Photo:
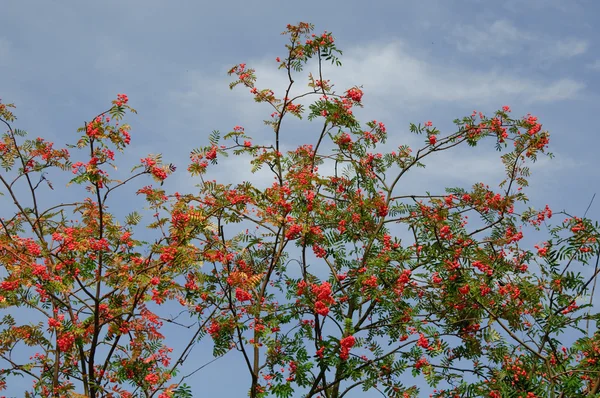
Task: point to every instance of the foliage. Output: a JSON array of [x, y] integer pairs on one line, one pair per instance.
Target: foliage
[[323, 282]]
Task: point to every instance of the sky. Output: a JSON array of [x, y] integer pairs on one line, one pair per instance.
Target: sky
[[62, 62]]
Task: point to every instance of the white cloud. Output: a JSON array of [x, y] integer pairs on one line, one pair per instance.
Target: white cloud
[[394, 72], [393, 76], [518, 6], [396, 79], [465, 167], [571, 47], [502, 38], [594, 65]]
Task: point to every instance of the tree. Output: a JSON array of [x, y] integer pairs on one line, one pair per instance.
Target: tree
[[85, 282], [323, 282]]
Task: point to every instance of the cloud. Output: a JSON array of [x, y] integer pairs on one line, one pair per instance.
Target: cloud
[[518, 6], [395, 76], [502, 38], [571, 47], [463, 167], [594, 65], [393, 71], [397, 81]]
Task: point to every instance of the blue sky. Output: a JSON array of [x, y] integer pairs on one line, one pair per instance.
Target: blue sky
[[63, 61]]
